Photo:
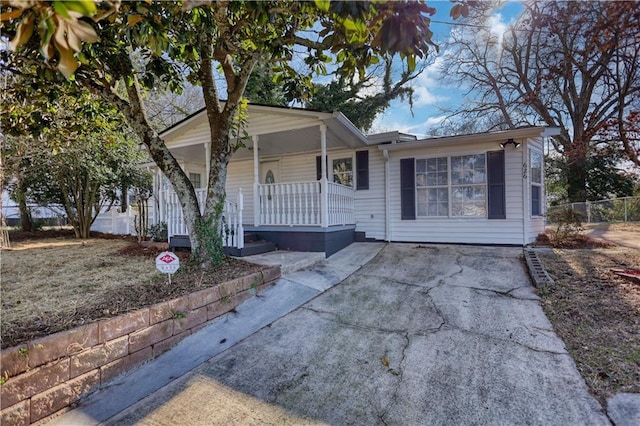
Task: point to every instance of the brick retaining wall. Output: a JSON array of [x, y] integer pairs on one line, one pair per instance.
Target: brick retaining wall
[[47, 375]]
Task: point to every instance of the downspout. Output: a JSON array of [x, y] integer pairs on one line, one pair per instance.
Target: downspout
[[387, 189], [525, 193]]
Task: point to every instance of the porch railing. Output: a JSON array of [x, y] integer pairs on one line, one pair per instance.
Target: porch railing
[[231, 227], [341, 204], [300, 204]]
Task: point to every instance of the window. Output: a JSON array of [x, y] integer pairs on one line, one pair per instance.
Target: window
[[343, 171], [535, 162], [432, 187], [195, 180], [468, 185]]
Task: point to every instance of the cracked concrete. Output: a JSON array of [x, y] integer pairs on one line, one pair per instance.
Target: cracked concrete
[[419, 335]]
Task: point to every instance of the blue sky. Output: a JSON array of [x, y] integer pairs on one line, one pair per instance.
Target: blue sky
[[430, 93]]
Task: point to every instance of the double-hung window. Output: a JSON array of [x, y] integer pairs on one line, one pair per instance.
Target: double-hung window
[[469, 185], [195, 180], [536, 170], [432, 187], [343, 171]]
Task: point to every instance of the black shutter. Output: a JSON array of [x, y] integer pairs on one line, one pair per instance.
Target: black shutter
[[408, 189], [495, 185], [362, 169], [318, 167]]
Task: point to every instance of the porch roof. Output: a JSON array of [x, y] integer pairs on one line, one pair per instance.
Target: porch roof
[[280, 130]]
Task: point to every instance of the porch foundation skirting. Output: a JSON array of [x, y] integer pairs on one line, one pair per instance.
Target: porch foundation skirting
[[307, 238]]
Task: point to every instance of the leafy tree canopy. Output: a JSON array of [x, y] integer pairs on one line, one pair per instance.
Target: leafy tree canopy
[[202, 41]]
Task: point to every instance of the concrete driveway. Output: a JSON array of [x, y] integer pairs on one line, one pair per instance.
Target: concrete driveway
[[437, 335]]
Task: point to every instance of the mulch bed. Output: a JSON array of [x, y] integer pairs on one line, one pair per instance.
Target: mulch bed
[[574, 241]]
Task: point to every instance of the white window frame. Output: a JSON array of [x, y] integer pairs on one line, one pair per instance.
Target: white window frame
[[350, 172], [451, 187], [192, 179], [427, 187], [534, 184], [474, 185]]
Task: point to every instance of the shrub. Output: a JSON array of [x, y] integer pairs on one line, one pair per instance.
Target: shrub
[[158, 232]]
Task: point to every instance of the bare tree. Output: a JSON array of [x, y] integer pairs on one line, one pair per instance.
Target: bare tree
[[572, 65]]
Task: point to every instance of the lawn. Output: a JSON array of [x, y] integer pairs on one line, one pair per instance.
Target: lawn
[[597, 313], [53, 284]]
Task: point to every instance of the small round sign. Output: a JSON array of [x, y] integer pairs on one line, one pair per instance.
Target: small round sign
[[167, 262]]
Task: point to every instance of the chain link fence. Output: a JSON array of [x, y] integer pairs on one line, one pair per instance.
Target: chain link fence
[[625, 209]]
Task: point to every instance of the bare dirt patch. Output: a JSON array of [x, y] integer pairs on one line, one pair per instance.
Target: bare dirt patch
[[54, 284], [597, 315]]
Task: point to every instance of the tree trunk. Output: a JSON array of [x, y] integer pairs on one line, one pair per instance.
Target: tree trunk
[[576, 155], [26, 224]]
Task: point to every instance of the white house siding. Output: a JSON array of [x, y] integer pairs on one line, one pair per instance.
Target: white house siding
[[461, 230], [536, 223], [369, 204], [240, 175]]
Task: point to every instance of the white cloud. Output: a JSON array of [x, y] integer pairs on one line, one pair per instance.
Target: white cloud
[[425, 84], [434, 121]]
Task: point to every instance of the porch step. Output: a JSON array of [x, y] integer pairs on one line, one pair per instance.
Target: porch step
[[253, 245], [250, 237], [251, 248]]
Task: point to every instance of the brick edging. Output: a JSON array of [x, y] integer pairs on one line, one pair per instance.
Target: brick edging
[[48, 374]]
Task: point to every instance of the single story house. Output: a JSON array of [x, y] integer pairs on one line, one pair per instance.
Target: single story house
[[311, 181]]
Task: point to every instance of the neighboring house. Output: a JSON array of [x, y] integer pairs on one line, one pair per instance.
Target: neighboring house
[[311, 181]]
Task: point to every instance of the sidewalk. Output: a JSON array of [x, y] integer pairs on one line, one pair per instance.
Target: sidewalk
[[290, 292]]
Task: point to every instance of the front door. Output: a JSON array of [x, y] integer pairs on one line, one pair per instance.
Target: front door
[[270, 171]]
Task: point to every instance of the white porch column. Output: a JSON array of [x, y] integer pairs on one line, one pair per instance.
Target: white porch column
[[324, 195], [256, 182], [207, 162]]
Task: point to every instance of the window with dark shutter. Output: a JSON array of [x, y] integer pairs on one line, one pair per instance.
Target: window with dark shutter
[[407, 189], [495, 185], [362, 170]]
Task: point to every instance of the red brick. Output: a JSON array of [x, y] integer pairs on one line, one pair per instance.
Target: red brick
[[163, 346], [250, 281], [204, 297], [166, 310], [46, 403], [229, 288], [262, 287], [98, 356], [271, 273], [117, 367], [16, 415], [150, 335], [241, 297], [38, 380], [193, 318], [13, 362], [62, 344], [199, 327], [124, 324], [216, 309]]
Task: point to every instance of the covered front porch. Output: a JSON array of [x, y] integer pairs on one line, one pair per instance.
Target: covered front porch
[[295, 214]]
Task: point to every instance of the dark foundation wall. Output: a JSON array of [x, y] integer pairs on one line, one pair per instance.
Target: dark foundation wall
[[312, 239]]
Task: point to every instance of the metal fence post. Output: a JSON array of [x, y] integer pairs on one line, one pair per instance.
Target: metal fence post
[[625, 209], [588, 204]]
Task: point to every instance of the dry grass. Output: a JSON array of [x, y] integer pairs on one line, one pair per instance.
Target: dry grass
[[49, 285], [597, 314]]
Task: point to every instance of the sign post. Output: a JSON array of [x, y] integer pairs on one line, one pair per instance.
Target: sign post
[[167, 263]]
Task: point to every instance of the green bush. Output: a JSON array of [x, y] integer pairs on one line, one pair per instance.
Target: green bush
[[159, 232]]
